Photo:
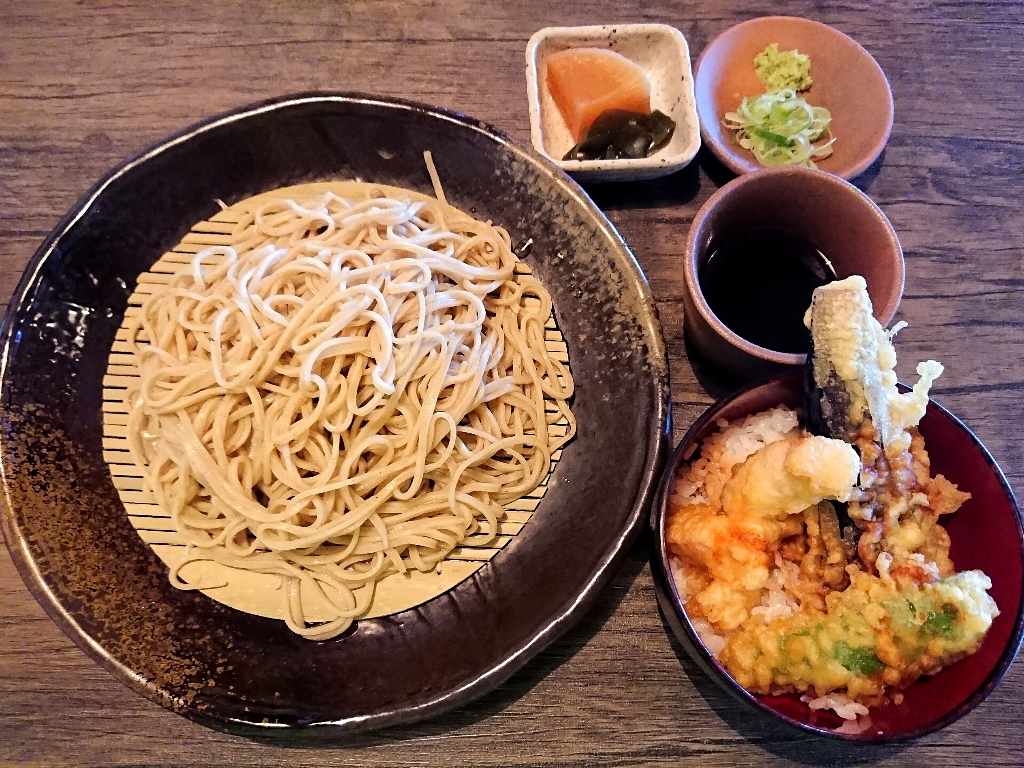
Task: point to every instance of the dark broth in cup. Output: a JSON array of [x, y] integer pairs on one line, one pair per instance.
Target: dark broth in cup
[[759, 284]]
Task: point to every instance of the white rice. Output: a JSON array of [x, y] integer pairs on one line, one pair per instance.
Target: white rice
[[855, 727], [714, 642], [775, 603], [701, 481], [840, 703]]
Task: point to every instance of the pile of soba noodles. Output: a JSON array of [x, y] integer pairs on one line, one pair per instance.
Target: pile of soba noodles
[[351, 389]]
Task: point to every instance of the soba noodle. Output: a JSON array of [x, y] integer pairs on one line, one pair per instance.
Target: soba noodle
[[350, 389]]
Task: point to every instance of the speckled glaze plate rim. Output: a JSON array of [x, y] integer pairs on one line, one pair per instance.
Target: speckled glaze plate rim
[[671, 604], [496, 671]]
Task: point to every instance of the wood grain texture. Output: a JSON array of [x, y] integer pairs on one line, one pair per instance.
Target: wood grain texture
[[84, 86]]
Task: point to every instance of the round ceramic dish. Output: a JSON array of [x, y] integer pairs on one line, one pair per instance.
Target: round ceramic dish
[[69, 534], [847, 81], [986, 533]]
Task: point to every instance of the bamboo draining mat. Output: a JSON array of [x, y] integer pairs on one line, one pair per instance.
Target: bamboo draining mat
[[260, 593]]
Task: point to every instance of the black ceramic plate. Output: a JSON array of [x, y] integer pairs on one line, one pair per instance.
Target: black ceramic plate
[[70, 536]]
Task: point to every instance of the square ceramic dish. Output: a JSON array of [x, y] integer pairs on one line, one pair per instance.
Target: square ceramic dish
[[663, 54]]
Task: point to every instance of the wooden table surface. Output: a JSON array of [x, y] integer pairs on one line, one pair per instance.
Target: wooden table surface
[[84, 86]]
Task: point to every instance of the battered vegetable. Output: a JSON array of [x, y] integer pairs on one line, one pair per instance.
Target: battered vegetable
[[846, 602], [872, 636]]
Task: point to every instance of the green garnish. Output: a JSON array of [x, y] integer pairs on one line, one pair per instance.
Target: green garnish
[[940, 623], [782, 141], [861, 661], [779, 126], [781, 129]]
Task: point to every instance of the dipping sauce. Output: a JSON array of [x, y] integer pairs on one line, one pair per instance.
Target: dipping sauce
[[759, 284]]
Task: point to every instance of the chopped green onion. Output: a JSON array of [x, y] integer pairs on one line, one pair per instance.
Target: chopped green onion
[[774, 138], [781, 128]]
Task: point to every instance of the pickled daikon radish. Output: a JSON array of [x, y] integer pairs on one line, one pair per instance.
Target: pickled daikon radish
[[584, 82]]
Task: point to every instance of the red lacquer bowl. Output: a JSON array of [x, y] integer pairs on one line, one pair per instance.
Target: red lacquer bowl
[[987, 533]]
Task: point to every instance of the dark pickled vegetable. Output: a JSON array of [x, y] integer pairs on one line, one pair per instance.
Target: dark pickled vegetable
[[620, 134]]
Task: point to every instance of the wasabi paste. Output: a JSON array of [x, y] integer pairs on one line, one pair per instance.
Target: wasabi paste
[[783, 69]]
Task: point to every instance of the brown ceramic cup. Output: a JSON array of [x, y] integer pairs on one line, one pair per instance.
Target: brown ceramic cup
[[836, 217]]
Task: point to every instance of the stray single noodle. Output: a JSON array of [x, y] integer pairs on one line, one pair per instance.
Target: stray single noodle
[[352, 388]]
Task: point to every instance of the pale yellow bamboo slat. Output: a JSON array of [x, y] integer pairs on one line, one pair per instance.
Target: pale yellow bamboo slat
[[128, 483], [173, 552], [145, 510], [137, 497], [227, 216], [211, 226], [151, 523], [155, 520], [161, 537], [461, 553], [153, 278], [525, 505], [118, 381], [483, 541], [206, 238]]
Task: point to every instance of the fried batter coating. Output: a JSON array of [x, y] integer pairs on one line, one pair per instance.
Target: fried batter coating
[[871, 637], [854, 354], [727, 552], [788, 476], [792, 593], [897, 504], [826, 559]]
